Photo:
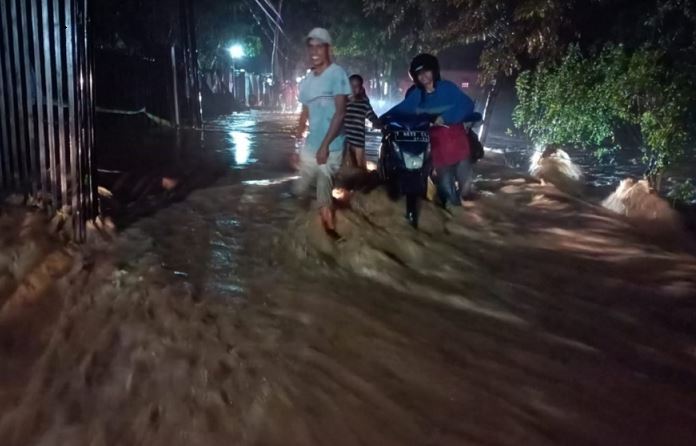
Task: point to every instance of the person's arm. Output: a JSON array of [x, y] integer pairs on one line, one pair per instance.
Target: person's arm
[[372, 116], [302, 125], [334, 128], [407, 107], [299, 134], [462, 105]]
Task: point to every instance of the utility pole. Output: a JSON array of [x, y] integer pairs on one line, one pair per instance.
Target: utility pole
[[175, 87], [274, 53], [488, 111], [188, 28]]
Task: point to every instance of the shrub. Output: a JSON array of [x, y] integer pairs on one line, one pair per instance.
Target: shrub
[[592, 102]]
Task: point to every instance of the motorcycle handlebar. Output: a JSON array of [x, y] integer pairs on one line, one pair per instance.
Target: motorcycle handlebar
[[425, 117]]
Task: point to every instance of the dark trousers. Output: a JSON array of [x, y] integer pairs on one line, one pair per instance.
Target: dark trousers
[[454, 182]]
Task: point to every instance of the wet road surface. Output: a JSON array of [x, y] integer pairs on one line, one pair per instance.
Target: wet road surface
[[527, 318]]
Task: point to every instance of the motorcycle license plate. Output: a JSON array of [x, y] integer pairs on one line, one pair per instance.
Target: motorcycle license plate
[[411, 136]]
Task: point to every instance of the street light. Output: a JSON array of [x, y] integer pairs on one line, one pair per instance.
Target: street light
[[236, 51]]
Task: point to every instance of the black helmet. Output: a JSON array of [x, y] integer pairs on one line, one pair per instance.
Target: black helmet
[[424, 62]]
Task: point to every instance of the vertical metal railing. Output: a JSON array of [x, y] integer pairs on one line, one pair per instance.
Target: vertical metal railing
[[10, 150], [46, 105], [5, 170]]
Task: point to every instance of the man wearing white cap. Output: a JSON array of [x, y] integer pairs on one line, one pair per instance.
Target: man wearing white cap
[[323, 94]]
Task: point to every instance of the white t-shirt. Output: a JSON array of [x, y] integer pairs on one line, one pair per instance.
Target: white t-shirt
[[318, 93]]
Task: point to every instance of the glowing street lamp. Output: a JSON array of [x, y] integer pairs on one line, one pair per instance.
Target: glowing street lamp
[[236, 51]]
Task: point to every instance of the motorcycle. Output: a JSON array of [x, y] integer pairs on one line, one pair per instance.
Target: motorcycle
[[404, 161]]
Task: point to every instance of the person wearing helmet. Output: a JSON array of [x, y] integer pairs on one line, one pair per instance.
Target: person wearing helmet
[[449, 107], [323, 94]]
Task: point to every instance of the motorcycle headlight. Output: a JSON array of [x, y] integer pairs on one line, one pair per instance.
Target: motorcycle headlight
[[413, 162]]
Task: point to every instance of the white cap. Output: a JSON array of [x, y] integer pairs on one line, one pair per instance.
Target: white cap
[[320, 34]]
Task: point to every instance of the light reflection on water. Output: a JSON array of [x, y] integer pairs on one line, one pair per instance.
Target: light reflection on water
[[270, 182], [242, 147]]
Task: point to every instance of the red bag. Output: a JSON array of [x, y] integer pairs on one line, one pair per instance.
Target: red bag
[[449, 145]]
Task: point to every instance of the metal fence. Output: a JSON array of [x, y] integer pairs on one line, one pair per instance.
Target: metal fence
[[46, 105]]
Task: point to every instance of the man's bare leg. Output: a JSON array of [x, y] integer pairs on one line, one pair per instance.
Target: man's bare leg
[[325, 183], [328, 218], [359, 153]]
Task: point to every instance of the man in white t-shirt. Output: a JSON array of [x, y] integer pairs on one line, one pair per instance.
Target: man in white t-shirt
[[323, 94]]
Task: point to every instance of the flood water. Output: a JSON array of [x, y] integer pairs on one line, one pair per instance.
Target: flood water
[[526, 318], [601, 175], [435, 342]]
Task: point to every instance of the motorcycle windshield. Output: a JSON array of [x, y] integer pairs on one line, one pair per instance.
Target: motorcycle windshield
[[407, 122], [413, 147], [420, 121]]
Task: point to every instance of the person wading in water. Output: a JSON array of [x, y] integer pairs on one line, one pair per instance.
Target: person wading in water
[[449, 107], [358, 111], [323, 94]]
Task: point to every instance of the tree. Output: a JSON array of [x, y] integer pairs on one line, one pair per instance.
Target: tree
[[590, 101], [522, 33], [136, 26], [512, 31], [597, 70], [357, 40], [219, 24]]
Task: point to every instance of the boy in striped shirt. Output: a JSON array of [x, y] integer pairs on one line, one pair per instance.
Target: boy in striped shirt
[[358, 109]]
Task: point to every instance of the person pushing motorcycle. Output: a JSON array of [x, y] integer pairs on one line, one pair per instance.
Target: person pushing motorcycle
[[450, 107]]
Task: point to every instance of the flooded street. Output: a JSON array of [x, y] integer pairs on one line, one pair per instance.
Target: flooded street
[[526, 318]]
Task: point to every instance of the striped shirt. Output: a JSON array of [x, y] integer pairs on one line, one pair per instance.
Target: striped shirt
[[357, 111]]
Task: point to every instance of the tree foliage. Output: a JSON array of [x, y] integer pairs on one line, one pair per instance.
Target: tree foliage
[[604, 74], [221, 23], [512, 30], [136, 26], [633, 72], [565, 104], [357, 40], [590, 102]]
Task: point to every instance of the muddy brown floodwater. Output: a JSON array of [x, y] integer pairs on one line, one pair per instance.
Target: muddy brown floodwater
[[527, 318]]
